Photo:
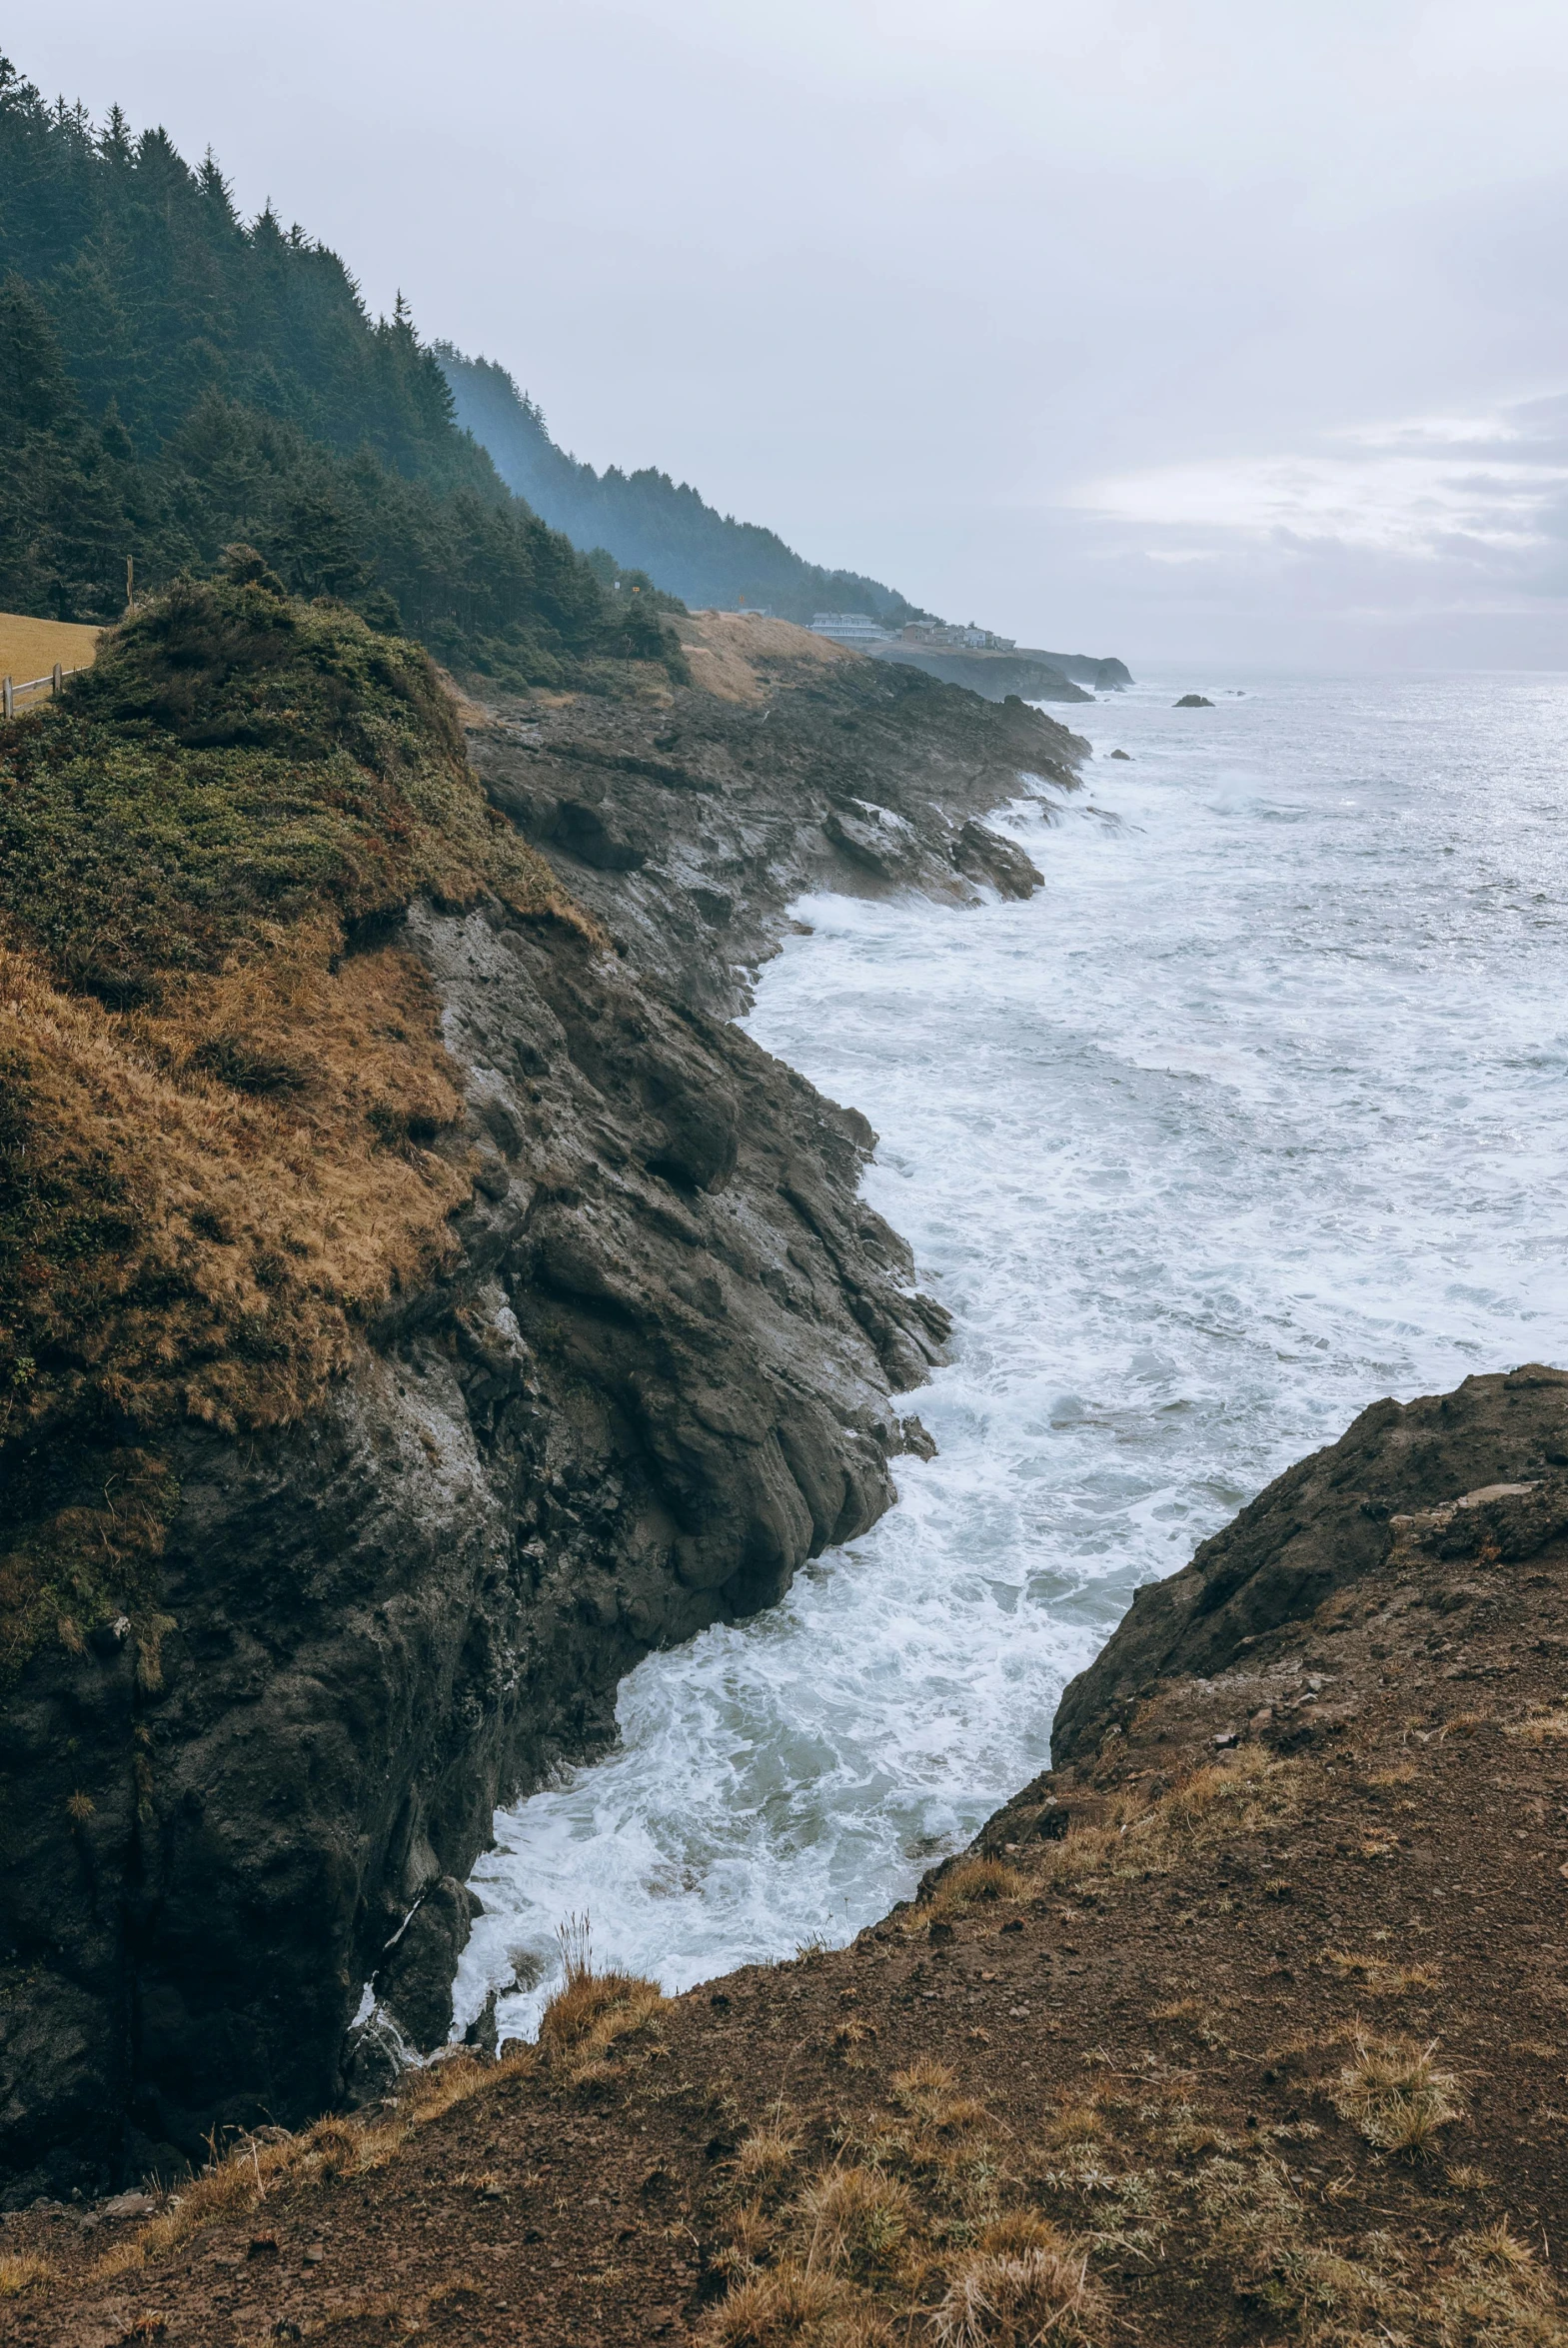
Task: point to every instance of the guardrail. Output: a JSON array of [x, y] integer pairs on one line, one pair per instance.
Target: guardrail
[[11, 693]]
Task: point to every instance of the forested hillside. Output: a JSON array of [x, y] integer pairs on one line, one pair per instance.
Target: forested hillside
[[173, 379], [704, 556]]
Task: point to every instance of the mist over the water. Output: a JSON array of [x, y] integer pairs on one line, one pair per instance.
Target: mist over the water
[[1254, 1114]]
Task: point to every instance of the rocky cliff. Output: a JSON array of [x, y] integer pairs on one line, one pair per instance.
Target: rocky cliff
[[422, 1300], [1037, 676]]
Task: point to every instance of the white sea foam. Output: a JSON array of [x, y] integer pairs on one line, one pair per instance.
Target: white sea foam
[[1254, 1114]]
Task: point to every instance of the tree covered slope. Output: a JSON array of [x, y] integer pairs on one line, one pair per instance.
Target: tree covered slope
[[645, 520], [173, 379]]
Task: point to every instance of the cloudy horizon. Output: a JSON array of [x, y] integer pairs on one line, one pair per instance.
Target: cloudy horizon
[[1155, 329]]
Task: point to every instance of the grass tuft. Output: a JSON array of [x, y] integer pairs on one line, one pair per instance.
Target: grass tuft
[[591, 2010], [1378, 1976], [966, 1885], [767, 2154], [1392, 2091], [1018, 2299], [20, 2271], [859, 2222], [784, 2308]]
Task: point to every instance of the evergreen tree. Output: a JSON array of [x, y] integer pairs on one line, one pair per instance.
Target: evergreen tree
[[173, 380]]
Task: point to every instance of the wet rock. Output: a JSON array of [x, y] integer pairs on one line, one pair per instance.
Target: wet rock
[[984, 855], [884, 841], [374, 2057], [415, 1976], [1194, 700]]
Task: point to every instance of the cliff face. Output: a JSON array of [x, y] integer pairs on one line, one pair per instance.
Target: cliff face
[[649, 1375], [1037, 676]]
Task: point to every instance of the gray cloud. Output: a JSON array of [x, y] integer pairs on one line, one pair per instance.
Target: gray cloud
[[1183, 326]]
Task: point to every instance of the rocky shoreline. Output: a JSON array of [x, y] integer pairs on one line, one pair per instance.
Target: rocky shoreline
[[1242, 2023], [657, 1375]]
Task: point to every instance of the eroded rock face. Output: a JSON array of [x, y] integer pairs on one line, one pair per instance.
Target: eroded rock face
[[1499, 1444], [658, 1376], [867, 777]]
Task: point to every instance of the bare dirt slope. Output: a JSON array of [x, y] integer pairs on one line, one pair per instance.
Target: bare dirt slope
[[1248, 2024]]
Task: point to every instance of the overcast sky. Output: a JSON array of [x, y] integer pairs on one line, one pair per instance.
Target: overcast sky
[[1232, 331]]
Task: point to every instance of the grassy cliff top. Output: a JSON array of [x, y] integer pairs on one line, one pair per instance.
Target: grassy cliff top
[[220, 1084]]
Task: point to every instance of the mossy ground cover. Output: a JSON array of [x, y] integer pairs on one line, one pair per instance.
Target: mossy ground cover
[[223, 1091]]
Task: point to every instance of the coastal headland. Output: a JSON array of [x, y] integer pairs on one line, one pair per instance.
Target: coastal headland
[[427, 1299]]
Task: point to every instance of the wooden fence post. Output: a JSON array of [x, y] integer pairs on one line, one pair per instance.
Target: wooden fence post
[[56, 682], [8, 699]]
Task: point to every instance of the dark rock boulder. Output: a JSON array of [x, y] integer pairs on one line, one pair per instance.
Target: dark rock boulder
[[984, 855], [1194, 700], [413, 1978], [883, 841]]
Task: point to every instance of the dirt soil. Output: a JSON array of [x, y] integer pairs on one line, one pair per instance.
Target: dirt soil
[[1251, 2025]]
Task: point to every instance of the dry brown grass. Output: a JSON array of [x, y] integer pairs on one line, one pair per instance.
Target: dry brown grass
[[859, 2222], [334, 2147], [1392, 2091], [1378, 1976], [593, 2009], [784, 2307], [1019, 2299], [734, 658], [1545, 1727], [968, 1883], [30, 648], [260, 1234], [1247, 1792], [20, 2271], [767, 2154]]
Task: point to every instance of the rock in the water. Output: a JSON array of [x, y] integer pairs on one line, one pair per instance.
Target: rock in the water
[[984, 855], [876, 836], [1194, 700], [414, 1979], [375, 2057], [1122, 754]]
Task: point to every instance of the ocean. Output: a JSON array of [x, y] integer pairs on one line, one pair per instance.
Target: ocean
[[1256, 1112]]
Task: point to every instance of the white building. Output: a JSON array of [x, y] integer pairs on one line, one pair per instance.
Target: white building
[[850, 627]]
